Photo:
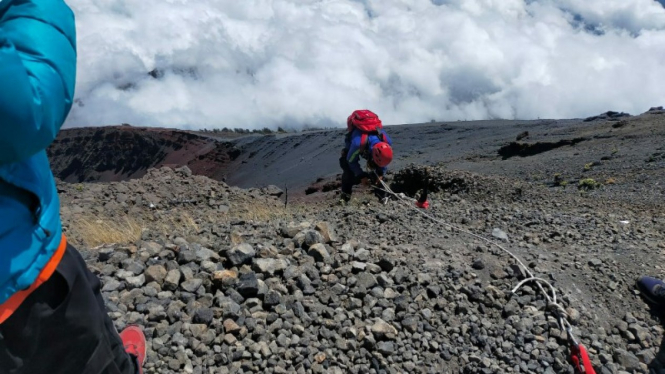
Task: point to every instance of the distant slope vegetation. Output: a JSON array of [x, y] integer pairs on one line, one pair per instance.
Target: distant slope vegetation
[[118, 153]]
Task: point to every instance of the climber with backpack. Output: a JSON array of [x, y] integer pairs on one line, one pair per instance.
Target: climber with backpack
[[365, 138]]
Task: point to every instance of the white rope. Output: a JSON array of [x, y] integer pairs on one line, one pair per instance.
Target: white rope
[[560, 312]]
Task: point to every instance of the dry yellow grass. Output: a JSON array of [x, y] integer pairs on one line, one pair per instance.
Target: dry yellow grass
[[94, 231], [261, 213]]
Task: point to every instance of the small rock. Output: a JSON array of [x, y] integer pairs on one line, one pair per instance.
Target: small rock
[[104, 254], [386, 265], [155, 273], [203, 316], [241, 254], [361, 255], [389, 293], [313, 237], [224, 277], [358, 267], [191, 285], [383, 330], [424, 279], [410, 323], [172, 280], [386, 348], [272, 190], [499, 274], [627, 360], [136, 282], [272, 298], [320, 357], [319, 252], [111, 285], [478, 264], [231, 327], [573, 316], [248, 285], [629, 318], [366, 281], [269, 265], [328, 232], [499, 234]]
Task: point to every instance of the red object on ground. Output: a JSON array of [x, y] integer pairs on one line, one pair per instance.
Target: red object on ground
[[133, 341], [424, 205], [579, 353]]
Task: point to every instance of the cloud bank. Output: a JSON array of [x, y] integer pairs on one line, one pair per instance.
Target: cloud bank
[[269, 63]]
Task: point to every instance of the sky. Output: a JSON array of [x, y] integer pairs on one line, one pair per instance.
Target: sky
[[295, 63]]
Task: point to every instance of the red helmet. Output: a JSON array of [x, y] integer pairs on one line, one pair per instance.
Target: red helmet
[[382, 154]]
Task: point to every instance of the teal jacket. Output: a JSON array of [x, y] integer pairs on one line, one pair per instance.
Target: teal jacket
[[37, 78]]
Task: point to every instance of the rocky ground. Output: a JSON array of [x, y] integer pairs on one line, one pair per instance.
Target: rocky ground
[[226, 280]]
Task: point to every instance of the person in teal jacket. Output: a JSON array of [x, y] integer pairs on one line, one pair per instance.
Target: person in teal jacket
[[52, 315]]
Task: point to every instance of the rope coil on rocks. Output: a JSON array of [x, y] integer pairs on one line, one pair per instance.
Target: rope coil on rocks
[[552, 305]]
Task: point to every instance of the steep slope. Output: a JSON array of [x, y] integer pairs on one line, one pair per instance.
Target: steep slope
[[123, 152]]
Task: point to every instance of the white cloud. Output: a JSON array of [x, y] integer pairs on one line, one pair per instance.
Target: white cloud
[[258, 63]]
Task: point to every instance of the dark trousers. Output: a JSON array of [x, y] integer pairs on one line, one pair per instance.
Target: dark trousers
[[63, 327], [348, 178]]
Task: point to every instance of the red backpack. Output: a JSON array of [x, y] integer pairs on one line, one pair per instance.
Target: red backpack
[[367, 122], [364, 120]]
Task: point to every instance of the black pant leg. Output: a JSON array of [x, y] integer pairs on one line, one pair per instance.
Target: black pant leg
[[63, 327], [348, 178], [115, 343]]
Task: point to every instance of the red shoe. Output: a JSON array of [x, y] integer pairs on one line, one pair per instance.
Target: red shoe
[[134, 342]]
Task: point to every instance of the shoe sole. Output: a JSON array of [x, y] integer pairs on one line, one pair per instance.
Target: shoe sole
[[137, 329], [645, 294]]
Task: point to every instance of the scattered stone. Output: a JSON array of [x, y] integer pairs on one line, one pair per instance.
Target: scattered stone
[[386, 348], [241, 254], [231, 327], [383, 330], [319, 252], [478, 264], [320, 357], [136, 282], [155, 273], [224, 278], [248, 285], [499, 234], [172, 280], [327, 231], [313, 237], [270, 265], [272, 298], [386, 265], [627, 360], [111, 285], [191, 285], [366, 281]]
